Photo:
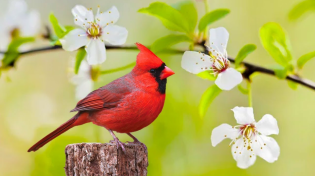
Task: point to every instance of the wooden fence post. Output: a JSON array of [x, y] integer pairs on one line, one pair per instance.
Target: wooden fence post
[[96, 159]]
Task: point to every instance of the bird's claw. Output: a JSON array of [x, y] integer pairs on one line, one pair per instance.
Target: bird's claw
[[138, 142], [119, 144]]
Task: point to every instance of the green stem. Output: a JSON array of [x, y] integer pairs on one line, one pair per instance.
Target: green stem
[[206, 5], [118, 69], [250, 99]]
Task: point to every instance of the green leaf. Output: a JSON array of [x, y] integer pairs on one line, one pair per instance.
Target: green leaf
[[208, 96], [170, 17], [58, 29], [292, 85], [302, 8], [16, 43], [206, 75], [276, 42], [78, 59], [305, 58], [56, 41], [244, 52], [189, 11], [168, 41], [12, 53], [211, 17], [242, 89], [280, 71], [9, 59]]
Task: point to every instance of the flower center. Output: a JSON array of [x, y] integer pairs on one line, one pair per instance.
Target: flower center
[[219, 63], [15, 33], [248, 131], [94, 31]]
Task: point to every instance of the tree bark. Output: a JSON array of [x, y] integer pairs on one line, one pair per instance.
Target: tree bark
[[96, 159]]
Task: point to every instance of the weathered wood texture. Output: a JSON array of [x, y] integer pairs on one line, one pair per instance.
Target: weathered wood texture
[[96, 159]]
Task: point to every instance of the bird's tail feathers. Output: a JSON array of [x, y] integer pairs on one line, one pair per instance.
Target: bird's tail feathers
[[78, 119]]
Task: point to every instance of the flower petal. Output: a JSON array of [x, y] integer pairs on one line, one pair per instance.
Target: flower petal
[[83, 75], [228, 79], [114, 34], [83, 89], [267, 125], [15, 13], [30, 25], [16, 8], [5, 40], [267, 148], [222, 132], [242, 155], [109, 17], [73, 41], [196, 62], [82, 15], [243, 115], [83, 81], [218, 39], [96, 52]]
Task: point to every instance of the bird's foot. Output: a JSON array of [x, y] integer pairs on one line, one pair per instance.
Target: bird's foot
[[137, 143], [116, 140], [119, 144]]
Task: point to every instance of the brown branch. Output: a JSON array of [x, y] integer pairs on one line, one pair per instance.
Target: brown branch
[[250, 68]]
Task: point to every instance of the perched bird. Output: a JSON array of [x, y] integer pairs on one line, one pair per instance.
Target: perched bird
[[125, 105]]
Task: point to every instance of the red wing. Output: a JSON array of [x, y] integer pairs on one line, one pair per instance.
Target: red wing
[[105, 97]]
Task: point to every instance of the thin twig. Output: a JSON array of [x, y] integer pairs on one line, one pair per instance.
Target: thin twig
[[125, 47], [250, 68]]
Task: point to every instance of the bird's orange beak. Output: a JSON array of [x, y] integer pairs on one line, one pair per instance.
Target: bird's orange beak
[[166, 73]]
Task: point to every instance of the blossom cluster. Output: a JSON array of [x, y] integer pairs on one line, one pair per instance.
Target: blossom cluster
[[249, 138]]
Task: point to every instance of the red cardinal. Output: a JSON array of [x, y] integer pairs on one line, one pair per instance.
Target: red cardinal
[[125, 105]]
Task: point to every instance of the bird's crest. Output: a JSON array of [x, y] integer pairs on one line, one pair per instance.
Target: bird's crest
[[146, 59]]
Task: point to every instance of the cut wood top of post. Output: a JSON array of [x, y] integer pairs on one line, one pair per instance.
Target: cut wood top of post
[[105, 159]]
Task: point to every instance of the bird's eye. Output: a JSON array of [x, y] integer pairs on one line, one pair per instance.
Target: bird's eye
[[152, 71]]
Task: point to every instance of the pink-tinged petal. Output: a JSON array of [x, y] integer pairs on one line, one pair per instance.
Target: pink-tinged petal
[[72, 41], [218, 39], [114, 34], [82, 15], [96, 52], [242, 155], [243, 115], [228, 79], [267, 125], [196, 62], [267, 148], [222, 132], [109, 17]]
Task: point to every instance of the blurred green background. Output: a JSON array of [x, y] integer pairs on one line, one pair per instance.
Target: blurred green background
[[39, 97]]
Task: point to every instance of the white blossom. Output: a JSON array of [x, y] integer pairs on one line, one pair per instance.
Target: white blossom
[[217, 60], [18, 21], [83, 81], [249, 138], [94, 31]]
